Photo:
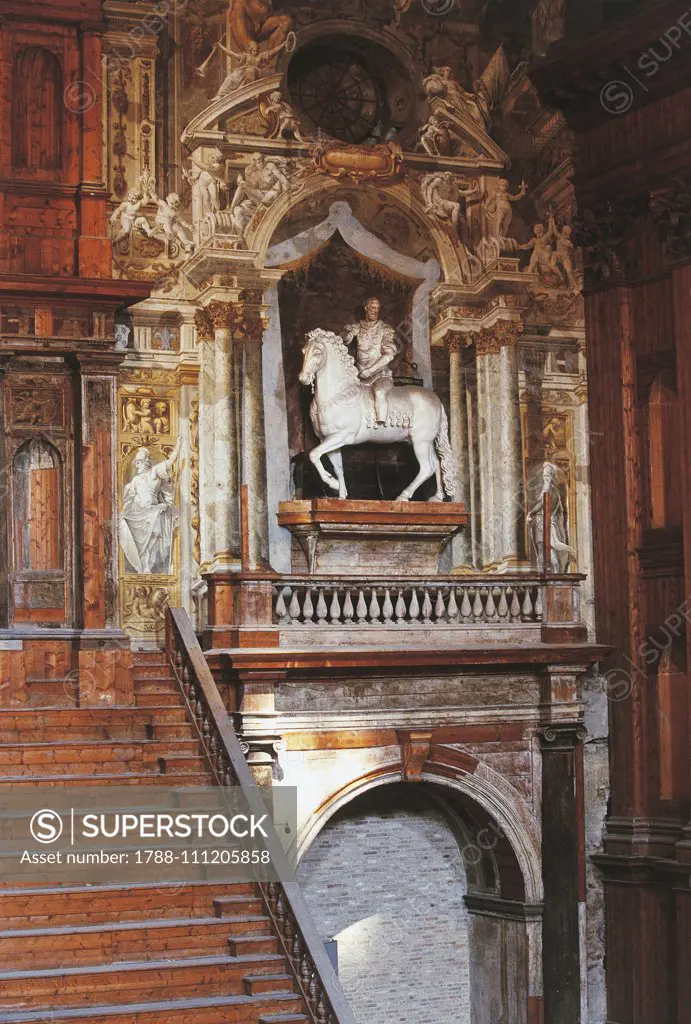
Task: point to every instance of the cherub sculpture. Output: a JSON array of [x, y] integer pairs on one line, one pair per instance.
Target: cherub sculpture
[[128, 217], [565, 256], [170, 223]]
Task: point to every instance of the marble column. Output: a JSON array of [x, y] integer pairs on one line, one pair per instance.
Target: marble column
[[219, 438], [499, 443], [456, 342], [249, 324]]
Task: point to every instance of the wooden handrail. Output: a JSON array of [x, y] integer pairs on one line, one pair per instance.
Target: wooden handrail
[[301, 943]]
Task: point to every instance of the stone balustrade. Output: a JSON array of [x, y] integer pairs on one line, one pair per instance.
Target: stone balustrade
[[404, 603]]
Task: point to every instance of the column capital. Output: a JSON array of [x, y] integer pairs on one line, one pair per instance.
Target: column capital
[[561, 735], [503, 333], [456, 341], [250, 319]]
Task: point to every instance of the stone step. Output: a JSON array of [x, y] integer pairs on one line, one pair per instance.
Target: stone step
[[214, 1010], [227, 905], [169, 699], [74, 750], [202, 778], [61, 692], [62, 906], [156, 686], [131, 940], [245, 945], [144, 982], [66, 724], [257, 984], [281, 1018]]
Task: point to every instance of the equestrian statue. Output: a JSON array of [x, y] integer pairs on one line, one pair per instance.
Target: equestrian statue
[[355, 400]]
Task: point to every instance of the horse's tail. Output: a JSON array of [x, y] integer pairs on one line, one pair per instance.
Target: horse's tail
[[449, 470]]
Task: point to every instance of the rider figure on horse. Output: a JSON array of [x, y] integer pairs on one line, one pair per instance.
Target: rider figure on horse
[[376, 349]]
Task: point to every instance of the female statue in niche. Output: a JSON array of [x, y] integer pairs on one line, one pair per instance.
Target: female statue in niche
[[561, 553], [147, 517]]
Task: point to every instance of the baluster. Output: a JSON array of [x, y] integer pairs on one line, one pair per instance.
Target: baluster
[[348, 610], [374, 610], [335, 609], [400, 607], [294, 606], [527, 606], [308, 607], [296, 951], [414, 609], [515, 605], [321, 1011], [280, 612], [478, 608], [466, 607], [321, 608], [306, 970], [280, 911], [361, 609], [387, 607], [440, 607], [313, 993], [538, 604], [502, 607], [452, 607], [426, 607], [272, 895]]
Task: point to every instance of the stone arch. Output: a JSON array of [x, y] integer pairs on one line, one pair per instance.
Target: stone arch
[[484, 787], [400, 194], [504, 931]]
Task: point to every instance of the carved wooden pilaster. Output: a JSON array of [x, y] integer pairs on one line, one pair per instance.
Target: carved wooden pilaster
[[563, 867]]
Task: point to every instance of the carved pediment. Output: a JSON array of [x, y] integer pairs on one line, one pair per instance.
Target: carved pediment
[[212, 123]]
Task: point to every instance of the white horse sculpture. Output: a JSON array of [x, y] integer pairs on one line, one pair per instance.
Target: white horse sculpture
[[342, 413]]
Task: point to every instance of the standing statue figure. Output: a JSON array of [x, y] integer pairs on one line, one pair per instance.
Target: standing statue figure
[[209, 186], [561, 553], [147, 516], [376, 350], [499, 209], [565, 255]]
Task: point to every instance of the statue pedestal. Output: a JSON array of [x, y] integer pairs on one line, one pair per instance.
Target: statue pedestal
[[370, 538]]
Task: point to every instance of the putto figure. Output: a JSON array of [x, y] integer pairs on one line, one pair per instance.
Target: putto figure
[[376, 350], [147, 516]]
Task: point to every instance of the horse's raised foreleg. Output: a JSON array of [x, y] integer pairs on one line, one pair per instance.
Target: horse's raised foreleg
[[423, 453], [337, 462], [330, 445]]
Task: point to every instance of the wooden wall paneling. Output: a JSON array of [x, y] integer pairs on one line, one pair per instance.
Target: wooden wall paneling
[[682, 335], [617, 527]]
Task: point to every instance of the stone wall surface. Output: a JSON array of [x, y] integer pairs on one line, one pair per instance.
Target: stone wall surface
[[386, 878]]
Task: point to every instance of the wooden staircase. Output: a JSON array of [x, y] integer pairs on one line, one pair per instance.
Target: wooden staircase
[[201, 952]]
